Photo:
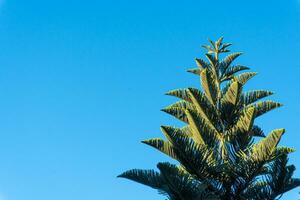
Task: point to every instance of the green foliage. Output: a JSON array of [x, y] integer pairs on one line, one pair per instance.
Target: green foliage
[[216, 150]]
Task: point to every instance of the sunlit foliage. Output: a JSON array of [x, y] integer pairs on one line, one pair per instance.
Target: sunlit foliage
[[218, 154]]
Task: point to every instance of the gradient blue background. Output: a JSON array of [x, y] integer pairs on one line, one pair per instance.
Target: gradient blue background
[[82, 83]]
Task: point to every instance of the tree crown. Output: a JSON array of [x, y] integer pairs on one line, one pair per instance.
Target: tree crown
[[217, 155]]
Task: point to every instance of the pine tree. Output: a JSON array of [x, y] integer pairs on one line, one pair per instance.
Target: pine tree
[[221, 153]]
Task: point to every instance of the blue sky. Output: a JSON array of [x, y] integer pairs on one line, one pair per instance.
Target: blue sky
[[82, 83]]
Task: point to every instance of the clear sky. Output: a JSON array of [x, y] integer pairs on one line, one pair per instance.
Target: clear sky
[[82, 83]]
